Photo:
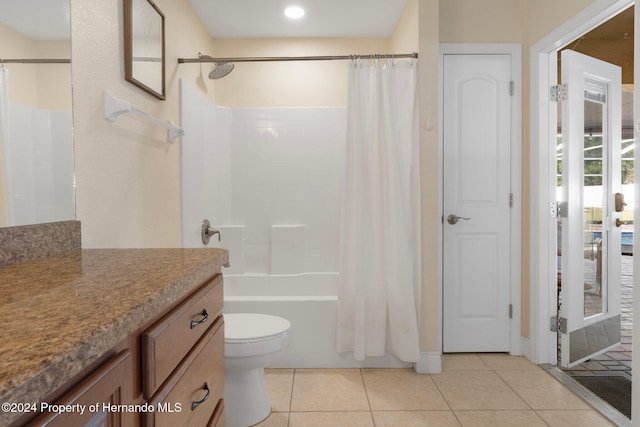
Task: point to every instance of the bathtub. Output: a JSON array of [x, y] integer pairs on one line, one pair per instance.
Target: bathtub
[[309, 301]]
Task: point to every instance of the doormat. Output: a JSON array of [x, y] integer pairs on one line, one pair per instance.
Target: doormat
[[615, 390]]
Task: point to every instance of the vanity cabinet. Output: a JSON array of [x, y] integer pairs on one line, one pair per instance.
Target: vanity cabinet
[[169, 372], [167, 342], [193, 391], [183, 362], [92, 402]]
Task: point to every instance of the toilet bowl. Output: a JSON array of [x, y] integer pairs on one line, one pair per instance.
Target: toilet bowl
[[251, 342]]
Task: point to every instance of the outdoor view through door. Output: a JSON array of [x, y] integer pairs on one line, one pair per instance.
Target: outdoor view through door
[[591, 208]]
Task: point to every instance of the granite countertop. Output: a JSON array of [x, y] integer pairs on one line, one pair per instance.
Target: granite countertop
[[60, 313]]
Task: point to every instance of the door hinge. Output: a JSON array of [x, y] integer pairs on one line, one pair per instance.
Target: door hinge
[[512, 87], [558, 209], [559, 92], [510, 311], [510, 200], [558, 324]]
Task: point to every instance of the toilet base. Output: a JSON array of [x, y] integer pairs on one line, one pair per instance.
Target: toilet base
[[246, 401]]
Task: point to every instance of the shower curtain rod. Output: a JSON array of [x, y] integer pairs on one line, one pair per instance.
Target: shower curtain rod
[[294, 58], [35, 61]]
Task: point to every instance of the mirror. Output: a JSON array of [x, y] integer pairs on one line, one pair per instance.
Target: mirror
[[144, 46], [36, 142]]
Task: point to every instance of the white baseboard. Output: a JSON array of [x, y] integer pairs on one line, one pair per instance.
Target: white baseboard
[[430, 363]]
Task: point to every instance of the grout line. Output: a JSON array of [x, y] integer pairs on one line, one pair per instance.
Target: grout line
[[366, 393], [293, 381], [512, 389]]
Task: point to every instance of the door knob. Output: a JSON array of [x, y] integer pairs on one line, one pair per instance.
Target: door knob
[[619, 223], [453, 219]]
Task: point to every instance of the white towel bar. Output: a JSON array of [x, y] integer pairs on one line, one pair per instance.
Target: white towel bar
[[113, 107]]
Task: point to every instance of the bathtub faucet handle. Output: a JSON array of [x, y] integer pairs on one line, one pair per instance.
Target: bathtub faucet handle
[[208, 231]]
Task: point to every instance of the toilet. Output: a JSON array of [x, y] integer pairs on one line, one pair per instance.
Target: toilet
[[251, 342]]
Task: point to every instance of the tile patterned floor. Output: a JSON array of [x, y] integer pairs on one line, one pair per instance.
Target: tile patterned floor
[[472, 390]]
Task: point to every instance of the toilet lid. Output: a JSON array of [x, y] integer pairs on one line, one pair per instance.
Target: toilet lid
[[253, 326]]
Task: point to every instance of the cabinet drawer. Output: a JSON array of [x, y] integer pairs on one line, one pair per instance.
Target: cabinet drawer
[[204, 365], [95, 400], [166, 343], [217, 419]]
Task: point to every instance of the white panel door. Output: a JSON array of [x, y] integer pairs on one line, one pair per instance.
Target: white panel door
[[591, 248], [476, 203]]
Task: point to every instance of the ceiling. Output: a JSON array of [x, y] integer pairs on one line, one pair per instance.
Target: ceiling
[[37, 19], [323, 18], [49, 19], [610, 42]]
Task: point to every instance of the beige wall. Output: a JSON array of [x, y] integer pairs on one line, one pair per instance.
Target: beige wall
[[481, 21], [288, 84], [509, 21], [54, 80], [302, 83], [46, 86], [127, 174], [405, 37], [430, 165]]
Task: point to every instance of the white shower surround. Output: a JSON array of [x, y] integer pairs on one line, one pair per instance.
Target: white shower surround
[[267, 167], [286, 166], [38, 166], [263, 168]]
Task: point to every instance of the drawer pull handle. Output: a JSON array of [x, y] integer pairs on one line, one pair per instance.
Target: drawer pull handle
[[194, 405], [205, 315]]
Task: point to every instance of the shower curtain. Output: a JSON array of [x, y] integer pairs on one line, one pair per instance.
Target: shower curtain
[[380, 220]]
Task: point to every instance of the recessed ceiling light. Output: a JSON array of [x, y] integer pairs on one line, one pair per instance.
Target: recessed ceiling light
[[294, 12]]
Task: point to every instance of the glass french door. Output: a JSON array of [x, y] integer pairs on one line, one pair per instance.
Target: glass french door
[[592, 203]]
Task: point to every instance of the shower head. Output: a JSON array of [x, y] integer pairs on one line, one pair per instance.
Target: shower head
[[220, 69]]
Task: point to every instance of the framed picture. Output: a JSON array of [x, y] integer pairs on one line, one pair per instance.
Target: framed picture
[[144, 46]]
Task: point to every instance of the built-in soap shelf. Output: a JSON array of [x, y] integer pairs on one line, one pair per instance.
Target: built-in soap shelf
[[114, 106]]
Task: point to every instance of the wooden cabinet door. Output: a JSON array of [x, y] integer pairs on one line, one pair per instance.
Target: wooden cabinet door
[[92, 402], [169, 340], [191, 394]]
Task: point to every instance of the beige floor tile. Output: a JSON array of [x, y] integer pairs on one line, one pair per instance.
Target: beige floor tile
[[477, 390], [586, 418], [276, 419], [331, 419], [506, 361], [401, 389], [540, 390], [415, 419], [279, 386], [328, 390], [463, 362], [524, 418]]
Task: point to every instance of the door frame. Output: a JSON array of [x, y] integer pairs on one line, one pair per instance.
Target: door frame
[[541, 346], [515, 51]]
